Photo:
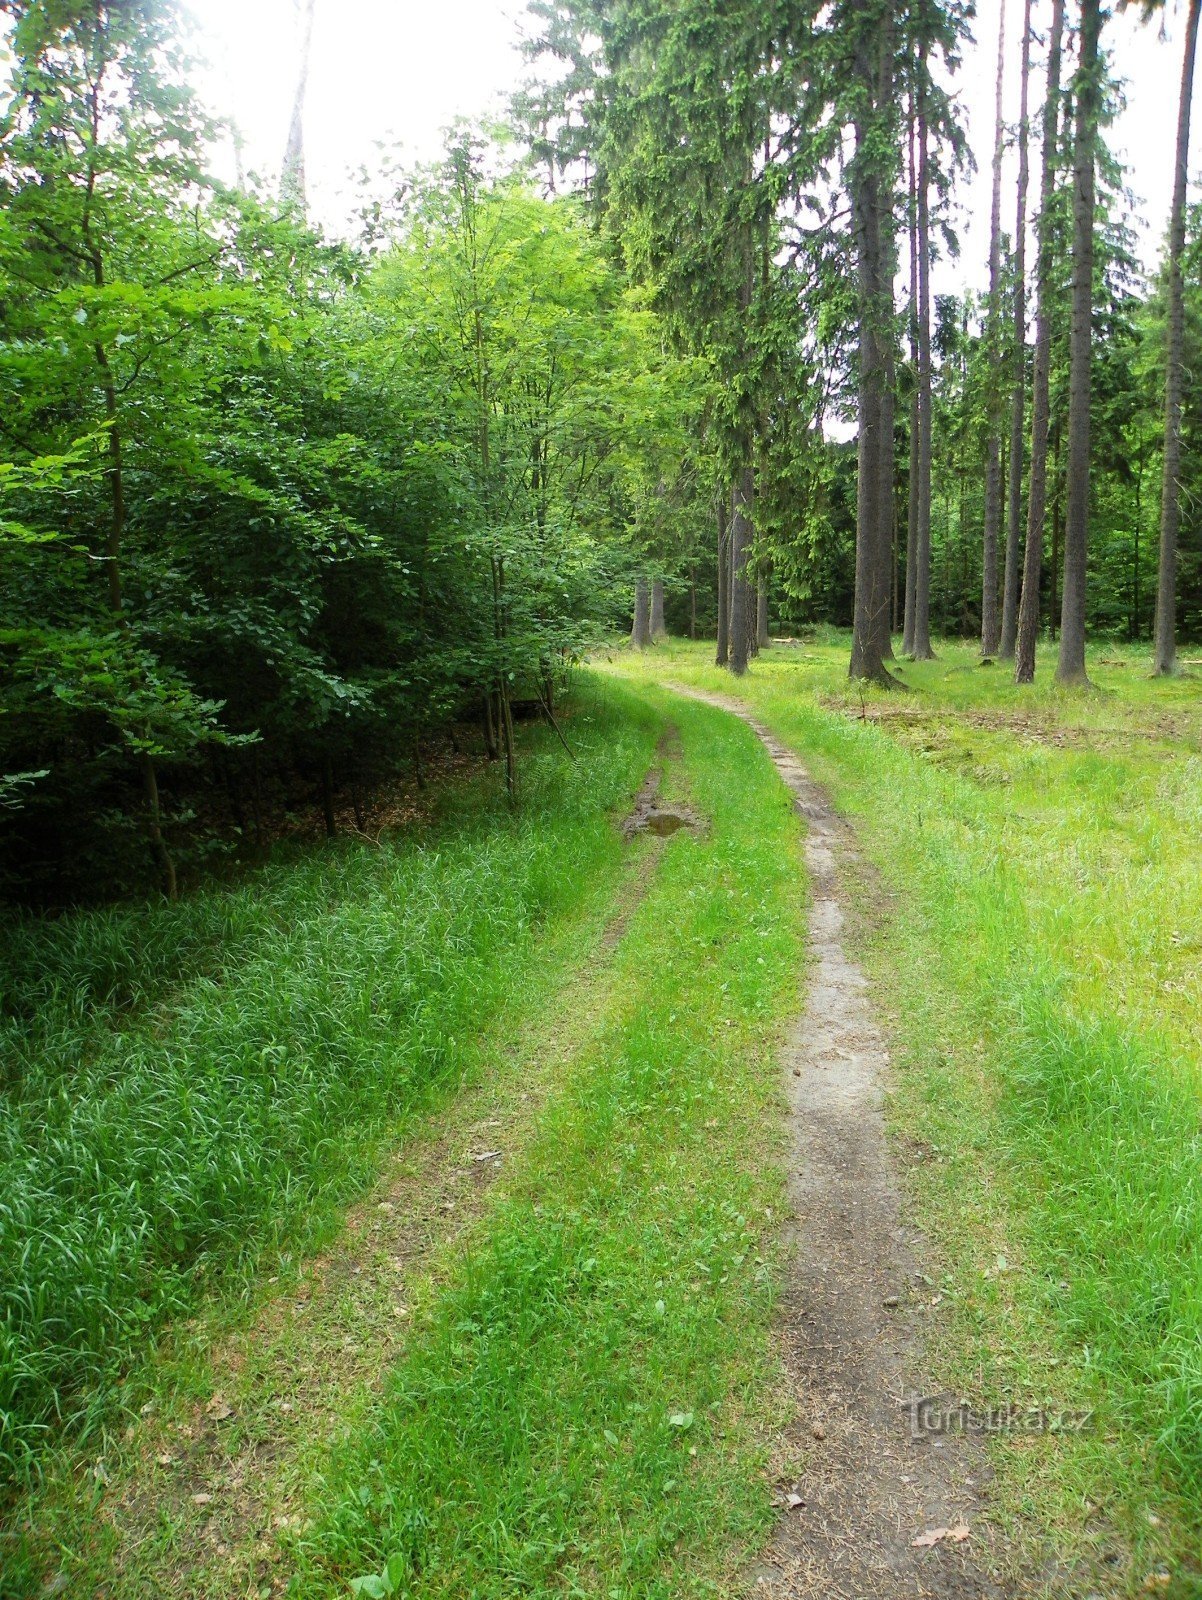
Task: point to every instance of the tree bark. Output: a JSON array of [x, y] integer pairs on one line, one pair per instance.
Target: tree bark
[[640, 633], [1165, 660], [761, 612], [1018, 393], [742, 591], [1028, 612], [1070, 667], [912, 510], [920, 643], [658, 631], [723, 655], [991, 626], [292, 175], [872, 222]]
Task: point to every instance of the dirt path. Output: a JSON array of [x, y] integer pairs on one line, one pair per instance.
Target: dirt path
[[855, 1299]]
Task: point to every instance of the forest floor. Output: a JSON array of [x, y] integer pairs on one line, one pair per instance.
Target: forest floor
[[846, 1058]]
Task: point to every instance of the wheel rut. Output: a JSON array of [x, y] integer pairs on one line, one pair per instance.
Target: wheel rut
[[859, 1482]]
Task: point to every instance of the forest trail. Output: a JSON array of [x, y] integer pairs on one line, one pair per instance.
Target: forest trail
[[854, 1297]]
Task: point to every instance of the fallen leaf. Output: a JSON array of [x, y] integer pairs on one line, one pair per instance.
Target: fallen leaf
[[793, 1501], [488, 1155], [960, 1532], [680, 1419], [931, 1537], [201, 1499], [219, 1408]]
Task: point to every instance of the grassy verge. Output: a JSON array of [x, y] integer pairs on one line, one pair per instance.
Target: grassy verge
[[186, 1087], [583, 1395], [1041, 954]]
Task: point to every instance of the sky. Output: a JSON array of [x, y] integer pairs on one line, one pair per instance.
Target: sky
[[389, 71]]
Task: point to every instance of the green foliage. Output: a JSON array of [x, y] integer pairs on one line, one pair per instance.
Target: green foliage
[[186, 1084], [274, 511]]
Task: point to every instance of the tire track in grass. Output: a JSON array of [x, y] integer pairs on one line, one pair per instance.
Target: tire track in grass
[[201, 1496], [582, 1408]]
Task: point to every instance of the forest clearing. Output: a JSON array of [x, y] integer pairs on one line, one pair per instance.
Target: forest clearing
[[585, 1161], [600, 800]]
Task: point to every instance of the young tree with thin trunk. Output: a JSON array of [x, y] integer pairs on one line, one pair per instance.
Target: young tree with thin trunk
[[1019, 358], [1165, 661], [1070, 666], [761, 612], [292, 175], [990, 618], [1037, 494]]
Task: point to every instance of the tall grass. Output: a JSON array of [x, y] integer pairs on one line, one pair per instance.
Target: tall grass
[[184, 1085]]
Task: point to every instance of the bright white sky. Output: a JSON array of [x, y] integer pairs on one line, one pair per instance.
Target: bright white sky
[[401, 70]]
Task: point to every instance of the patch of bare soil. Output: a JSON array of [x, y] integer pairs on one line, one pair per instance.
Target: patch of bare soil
[[876, 1505], [1028, 726]]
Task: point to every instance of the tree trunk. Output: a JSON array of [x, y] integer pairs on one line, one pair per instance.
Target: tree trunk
[[723, 583], [742, 591], [640, 633], [991, 626], [1019, 392], [920, 643], [292, 176], [327, 797], [692, 602], [1165, 660], [872, 222], [1070, 667], [1028, 612], [658, 631], [761, 612], [912, 510]]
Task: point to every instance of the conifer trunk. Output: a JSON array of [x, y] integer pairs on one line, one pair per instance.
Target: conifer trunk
[[659, 631], [912, 510], [742, 591], [723, 654], [920, 644], [640, 633], [1165, 661], [1028, 612], [990, 614], [1070, 667], [872, 221], [1018, 393]]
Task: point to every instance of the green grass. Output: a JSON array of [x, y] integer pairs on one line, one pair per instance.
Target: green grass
[[187, 1086], [582, 1406], [1040, 944]]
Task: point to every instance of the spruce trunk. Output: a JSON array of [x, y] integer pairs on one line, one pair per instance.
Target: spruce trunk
[[1165, 661]]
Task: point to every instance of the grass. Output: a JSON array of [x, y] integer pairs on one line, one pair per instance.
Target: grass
[[582, 1402], [1041, 953], [187, 1087]]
